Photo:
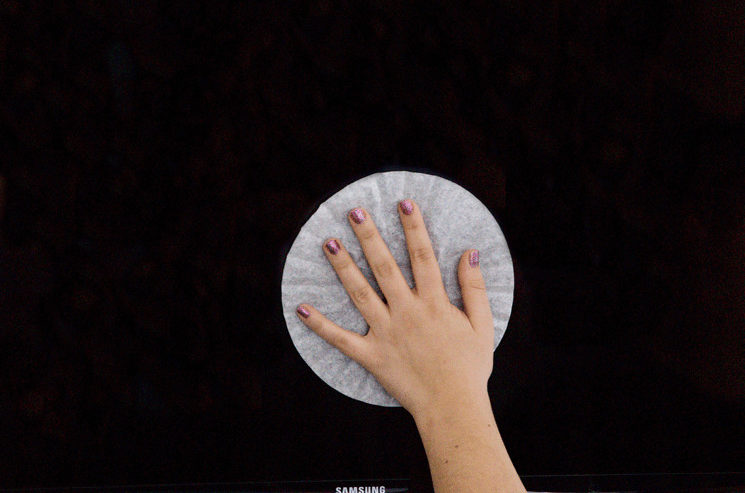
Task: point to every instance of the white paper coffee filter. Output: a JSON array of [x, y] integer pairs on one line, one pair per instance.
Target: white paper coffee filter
[[456, 221]]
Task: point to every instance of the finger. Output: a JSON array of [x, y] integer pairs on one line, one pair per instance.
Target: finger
[[379, 258], [349, 343], [424, 266], [362, 294], [473, 290]]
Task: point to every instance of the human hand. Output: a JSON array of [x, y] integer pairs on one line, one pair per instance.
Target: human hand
[[422, 349]]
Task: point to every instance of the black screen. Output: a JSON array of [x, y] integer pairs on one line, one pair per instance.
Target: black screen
[[158, 160]]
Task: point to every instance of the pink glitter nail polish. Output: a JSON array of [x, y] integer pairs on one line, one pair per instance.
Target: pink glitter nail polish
[[407, 207], [333, 246], [303, 311], [358, 215], [473, 258]]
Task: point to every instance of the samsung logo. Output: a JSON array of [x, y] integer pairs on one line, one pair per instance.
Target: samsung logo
[[361, 489]]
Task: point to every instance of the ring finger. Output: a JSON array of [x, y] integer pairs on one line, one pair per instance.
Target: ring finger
[[364, 297]]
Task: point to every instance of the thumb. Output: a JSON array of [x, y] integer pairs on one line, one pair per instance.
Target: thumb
[[473, 290], [350, 343]]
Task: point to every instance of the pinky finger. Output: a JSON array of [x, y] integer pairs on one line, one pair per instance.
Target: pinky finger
[[350, 343]]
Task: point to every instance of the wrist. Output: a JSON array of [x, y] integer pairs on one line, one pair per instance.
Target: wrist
[[454, 409]]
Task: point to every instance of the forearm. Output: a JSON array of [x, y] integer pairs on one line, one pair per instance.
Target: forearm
[[465, 450]]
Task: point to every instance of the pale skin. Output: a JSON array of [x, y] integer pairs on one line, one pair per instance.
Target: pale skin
[[432, 357]]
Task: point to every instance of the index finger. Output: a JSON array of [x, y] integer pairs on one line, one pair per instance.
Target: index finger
[[390, 279]]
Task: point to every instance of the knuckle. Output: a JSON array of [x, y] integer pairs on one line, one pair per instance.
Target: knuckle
[[476, 284], [367, 234], [344, 263], [413, 225], [337, 340], [383, 269], [435, 304], [361, 295], [420, 316], [333, 335], [436, 298], [422, 254], [373, 362]]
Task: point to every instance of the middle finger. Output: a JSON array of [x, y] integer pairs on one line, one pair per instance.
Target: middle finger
[[379, 258]]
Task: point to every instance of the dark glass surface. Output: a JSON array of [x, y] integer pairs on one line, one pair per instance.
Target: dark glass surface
[[159, 159]]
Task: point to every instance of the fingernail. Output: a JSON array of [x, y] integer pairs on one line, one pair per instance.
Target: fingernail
[[407, 207], [358, 215], [473, 258], [332, 246], [303, 311]]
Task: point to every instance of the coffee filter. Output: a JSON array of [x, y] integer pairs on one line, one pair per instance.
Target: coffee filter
[[456, 221]]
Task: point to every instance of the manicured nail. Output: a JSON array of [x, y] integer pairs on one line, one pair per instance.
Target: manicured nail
[[407, 207], [473, 258], [332, 246], [303, 311], [358, 215]]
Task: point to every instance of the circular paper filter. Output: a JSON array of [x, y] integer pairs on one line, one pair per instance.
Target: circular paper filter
[[456, 221]]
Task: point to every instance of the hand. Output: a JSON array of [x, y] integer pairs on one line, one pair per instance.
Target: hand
[[421, 348]]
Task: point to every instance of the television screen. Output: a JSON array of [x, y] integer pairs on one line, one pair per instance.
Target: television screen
[[159, 159]]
